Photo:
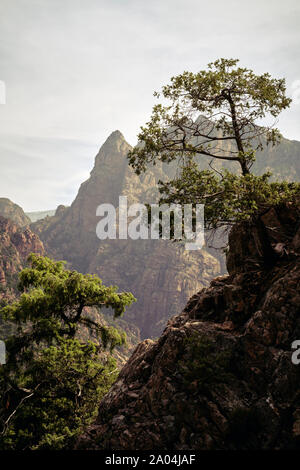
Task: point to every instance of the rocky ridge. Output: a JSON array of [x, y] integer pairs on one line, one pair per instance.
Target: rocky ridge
[[221, 375], [16, 243], [162, 275], [12, 211]]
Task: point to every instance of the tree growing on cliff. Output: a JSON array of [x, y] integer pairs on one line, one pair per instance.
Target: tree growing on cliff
[[52, 381], [215, 114]]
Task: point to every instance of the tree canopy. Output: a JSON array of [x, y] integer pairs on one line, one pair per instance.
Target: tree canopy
[[217, 115], [52, 382]]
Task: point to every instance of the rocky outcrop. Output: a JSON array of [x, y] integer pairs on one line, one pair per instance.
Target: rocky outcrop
[[162, 275], [12, 211], [221, 375], [16, 244]]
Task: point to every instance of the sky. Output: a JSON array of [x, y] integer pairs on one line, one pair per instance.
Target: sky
[[74, 71]]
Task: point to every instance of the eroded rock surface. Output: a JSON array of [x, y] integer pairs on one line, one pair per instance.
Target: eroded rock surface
[[221, 375]]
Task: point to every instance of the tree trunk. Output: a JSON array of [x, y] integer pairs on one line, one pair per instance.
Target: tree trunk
[[239, 143]]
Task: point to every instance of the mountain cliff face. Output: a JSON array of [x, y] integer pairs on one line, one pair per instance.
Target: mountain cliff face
[[221, 375], [13, 212], [282, 160], [15, 246], [38, 215], [162, 275]]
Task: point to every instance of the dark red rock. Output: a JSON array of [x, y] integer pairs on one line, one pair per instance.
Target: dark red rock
[[16, 244], [221, 375]]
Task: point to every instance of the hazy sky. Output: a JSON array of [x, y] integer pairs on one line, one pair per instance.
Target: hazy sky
[[76, 70]]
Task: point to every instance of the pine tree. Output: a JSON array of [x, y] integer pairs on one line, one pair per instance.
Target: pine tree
[[52, 381]]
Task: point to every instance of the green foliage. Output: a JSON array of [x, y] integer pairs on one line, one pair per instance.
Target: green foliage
[[216, 114], [52, 382], [202, 365], [228, 198], [54, 298]]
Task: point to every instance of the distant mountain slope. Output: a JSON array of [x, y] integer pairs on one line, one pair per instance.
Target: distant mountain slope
[[283, 160], [162, 275], [38, 215], [13, 212], [16, 243]]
